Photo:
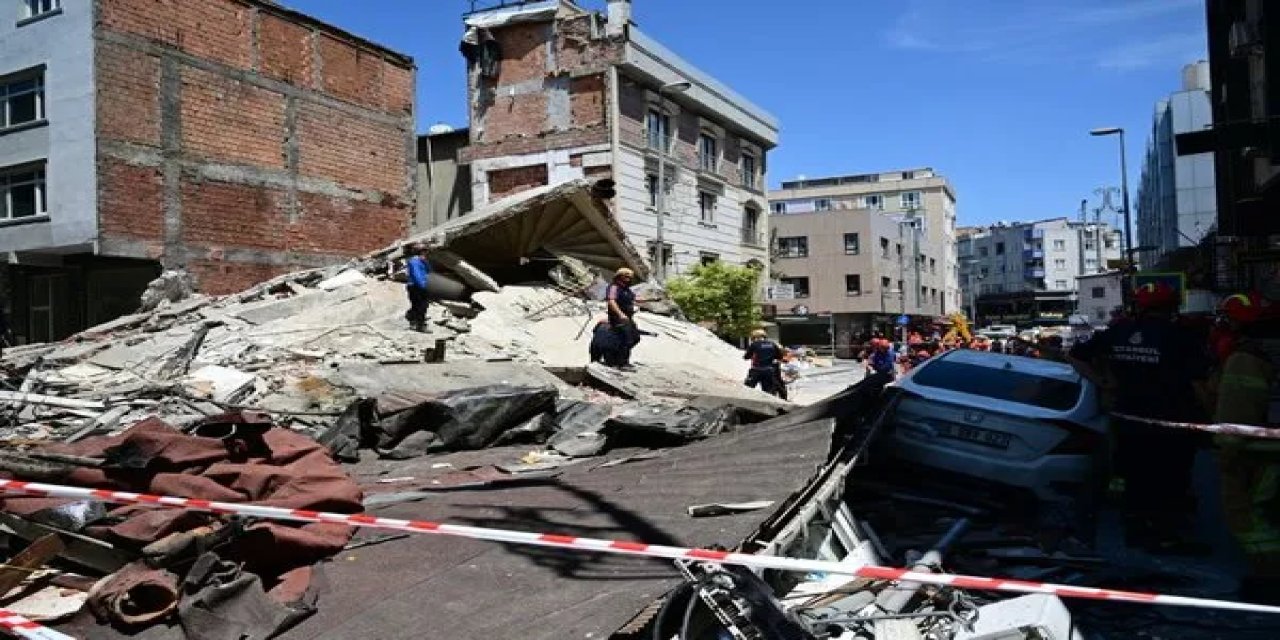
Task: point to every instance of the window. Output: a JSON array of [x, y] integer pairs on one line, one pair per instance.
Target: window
[[933, 266], [853, 284], [982, 251], [1001, 383], [706, 207], [666, 253], [800, 285], [779, 208], [884, 247], [898, 246], [748, 171], [910, 200], [658, 130], [793, 247], [751, 226], [874, 201], [1098, 292], [708, 152], [1091, 264], [902, 290], [33, 8], [1059, 284], [1100, 314], [822, 204], [851, 244], [933, 295], [1059, 263], [651, 186], [1059, 245], [1110, 242], [1090, 245], [24, 192], [999, 248], [23, 97], [884, 285], [706, 257]]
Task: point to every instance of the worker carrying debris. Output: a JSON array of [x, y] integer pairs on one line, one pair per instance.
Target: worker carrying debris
[[1155, 367], [621, 301], [1250, 467], [766, 363], [418, 271]]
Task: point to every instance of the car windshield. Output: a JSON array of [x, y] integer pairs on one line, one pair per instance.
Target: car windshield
[[1000, 384]]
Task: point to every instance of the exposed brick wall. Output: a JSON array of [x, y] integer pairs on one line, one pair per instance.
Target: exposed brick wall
[[221, 214], [508, 182], [226, 120], [130, 200], [128, 88], [521, 146], [586, 99], [519, 115], [356, 154], [575, 49], [285, 50], [214, 29], [284, 143], [524, 52], [216, 277]]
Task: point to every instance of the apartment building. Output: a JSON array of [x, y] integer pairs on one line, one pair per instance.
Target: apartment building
[[235, 139], [1177, 200], [558, 92], [853, 253], [1027, 273]]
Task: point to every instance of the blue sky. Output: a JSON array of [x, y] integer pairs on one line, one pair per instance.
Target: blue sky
[[998, 95]]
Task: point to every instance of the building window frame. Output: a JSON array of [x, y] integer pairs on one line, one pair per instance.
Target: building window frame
[[822, 204], [24, 85], [1098, 292], [706, 258], [706, 207], [778, 208], [668, 252], [793, 247], [749, 168], [751, 217], [1060, 284], [33, 175], [853, 284], [884, 248], [852, 244], [874, 201], [657, 125], [651, 188], [708, 151], [1059, 245], [911, 200], [933, 266], [33, 10], [799, 284], [1059, 263]]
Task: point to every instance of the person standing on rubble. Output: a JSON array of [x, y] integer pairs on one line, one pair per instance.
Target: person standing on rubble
[[418, 270], [1250, 466], [766, 363], [1155, 368], [620, 301]]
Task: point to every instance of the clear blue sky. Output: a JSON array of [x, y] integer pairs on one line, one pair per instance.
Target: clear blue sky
[[998, 95]]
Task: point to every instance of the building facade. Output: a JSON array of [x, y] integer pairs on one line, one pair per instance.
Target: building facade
[[1177, 199], [1101, 295], [1026, 273], [444, 183], [557, 93], [853, 253], [235, 139]]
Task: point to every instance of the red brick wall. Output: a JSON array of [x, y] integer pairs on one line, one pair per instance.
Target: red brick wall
[[524, 52], [226, 120], [508, 182], [523, 114], [286, 143], [586, 99]]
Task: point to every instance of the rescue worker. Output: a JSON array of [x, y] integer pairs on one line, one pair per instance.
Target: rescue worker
[[1154, 368], [620, 301], [1051, 349], [604, 343], [766, 363], [1250, 466], [882, 358], [417, 270]]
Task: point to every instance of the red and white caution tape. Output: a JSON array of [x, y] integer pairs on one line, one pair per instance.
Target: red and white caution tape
[[24, 628], [623, 547], [1222, 428]]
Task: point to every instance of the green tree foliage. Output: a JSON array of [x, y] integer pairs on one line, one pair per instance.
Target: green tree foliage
[[722, 294]]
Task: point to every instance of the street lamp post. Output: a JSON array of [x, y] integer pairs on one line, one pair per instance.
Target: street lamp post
[[660, 248], [1124, 200]]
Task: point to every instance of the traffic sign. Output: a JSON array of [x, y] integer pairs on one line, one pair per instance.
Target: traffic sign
[[903, 321]]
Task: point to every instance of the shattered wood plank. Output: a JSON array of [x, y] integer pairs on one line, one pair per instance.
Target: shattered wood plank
[[28, 399], [18, 568], [82, 550]]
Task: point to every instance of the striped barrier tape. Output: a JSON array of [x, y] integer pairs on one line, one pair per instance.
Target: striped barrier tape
[[623, 547], [24, 628], [1222, 428]]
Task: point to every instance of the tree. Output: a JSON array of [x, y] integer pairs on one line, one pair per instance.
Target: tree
[[722, 294]]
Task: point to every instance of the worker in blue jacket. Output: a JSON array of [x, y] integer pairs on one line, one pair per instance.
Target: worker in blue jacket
[[418, 271]]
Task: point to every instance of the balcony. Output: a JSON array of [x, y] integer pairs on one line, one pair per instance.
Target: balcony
[[752, 237], [1033, 272], [1032, 254]]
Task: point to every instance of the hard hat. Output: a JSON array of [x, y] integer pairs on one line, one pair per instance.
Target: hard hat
[[624, 271], [758, 333], [1155, 295], [1242, 307]]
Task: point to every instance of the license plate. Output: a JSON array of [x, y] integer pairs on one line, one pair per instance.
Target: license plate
[[976, 435]]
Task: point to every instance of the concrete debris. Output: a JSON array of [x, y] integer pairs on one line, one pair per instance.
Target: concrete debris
[[172, 286]]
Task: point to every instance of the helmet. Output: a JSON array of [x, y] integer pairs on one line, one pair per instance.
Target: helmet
[[758, 334], [624, 272], [1155, 295], [1242, 307]]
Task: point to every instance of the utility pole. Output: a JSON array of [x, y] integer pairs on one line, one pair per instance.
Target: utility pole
[[914, 221], [664, 142]]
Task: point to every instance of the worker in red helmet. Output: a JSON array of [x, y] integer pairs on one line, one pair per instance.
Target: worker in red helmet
[[1250, 467], [1154, 368]]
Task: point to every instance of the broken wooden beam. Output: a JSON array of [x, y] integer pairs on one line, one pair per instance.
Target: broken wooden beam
[[20, 398]]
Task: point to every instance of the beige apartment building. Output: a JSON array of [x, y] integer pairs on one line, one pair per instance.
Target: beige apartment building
[[854, 253]]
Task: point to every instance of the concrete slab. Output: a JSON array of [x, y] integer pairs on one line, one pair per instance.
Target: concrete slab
[[220, 384]]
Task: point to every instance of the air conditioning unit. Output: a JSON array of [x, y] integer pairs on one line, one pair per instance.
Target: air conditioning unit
[[1244, 40]]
